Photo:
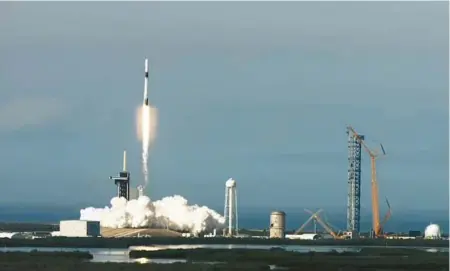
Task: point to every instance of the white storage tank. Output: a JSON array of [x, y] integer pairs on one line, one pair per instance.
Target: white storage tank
[[432, 231], [277, 224], [79, 228]]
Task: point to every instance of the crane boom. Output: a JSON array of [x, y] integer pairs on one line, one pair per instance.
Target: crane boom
[[307, 222], [388, 214], [323, 224], [359, 138]]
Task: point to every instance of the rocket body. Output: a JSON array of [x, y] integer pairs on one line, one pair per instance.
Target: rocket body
[[146, 125], [146, 84]]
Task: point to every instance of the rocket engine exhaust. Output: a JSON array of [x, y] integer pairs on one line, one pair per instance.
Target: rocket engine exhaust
[[146, 119]]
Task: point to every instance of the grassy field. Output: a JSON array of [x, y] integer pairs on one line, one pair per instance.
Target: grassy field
[[27, 227], [248, 260], [88, 242], [367, 259]]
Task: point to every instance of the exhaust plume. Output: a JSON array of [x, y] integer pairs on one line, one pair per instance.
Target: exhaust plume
[[170, 212], [147, 117]]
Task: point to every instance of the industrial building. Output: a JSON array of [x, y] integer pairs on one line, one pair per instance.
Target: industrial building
[[304, 236], [17, 235], [277, 224], [79, 228]]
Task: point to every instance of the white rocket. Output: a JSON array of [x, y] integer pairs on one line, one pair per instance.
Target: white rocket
[[146, 83]]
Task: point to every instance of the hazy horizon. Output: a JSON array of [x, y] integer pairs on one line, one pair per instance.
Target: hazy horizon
[[399, 222], [365, 210]]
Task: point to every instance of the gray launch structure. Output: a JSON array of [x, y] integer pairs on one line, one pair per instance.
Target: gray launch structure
[[123, 180], [354, 182]]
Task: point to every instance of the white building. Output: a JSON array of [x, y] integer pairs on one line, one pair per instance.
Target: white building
[[304, 236], [79, 228]]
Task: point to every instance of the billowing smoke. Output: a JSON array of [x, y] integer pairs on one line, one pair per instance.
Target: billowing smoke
[[170, 212], [146, 118]]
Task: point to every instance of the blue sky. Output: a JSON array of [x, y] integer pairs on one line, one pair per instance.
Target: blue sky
[[261, 92]]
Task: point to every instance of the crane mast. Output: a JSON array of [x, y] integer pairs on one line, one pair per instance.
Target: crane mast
[[375, 202]]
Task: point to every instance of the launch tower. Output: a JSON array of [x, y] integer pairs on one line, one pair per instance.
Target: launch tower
[[123, 180], [354, 182]]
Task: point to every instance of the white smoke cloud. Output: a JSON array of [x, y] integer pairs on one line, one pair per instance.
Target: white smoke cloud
[[170, 212]]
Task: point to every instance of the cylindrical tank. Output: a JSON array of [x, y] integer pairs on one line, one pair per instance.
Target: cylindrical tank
[[277, 224]]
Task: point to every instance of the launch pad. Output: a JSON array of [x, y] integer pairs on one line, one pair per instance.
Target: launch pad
[[137, 232]]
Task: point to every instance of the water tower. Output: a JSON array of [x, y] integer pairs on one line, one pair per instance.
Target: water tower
[[230, 210]]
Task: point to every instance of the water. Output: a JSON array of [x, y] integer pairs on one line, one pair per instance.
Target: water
[[248, 218], [120, 255]]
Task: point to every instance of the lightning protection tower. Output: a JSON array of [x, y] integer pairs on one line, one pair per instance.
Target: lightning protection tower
[[123, 180], [230, 210], [354, 182]]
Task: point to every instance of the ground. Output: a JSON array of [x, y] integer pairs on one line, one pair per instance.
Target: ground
[[127, 232]]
